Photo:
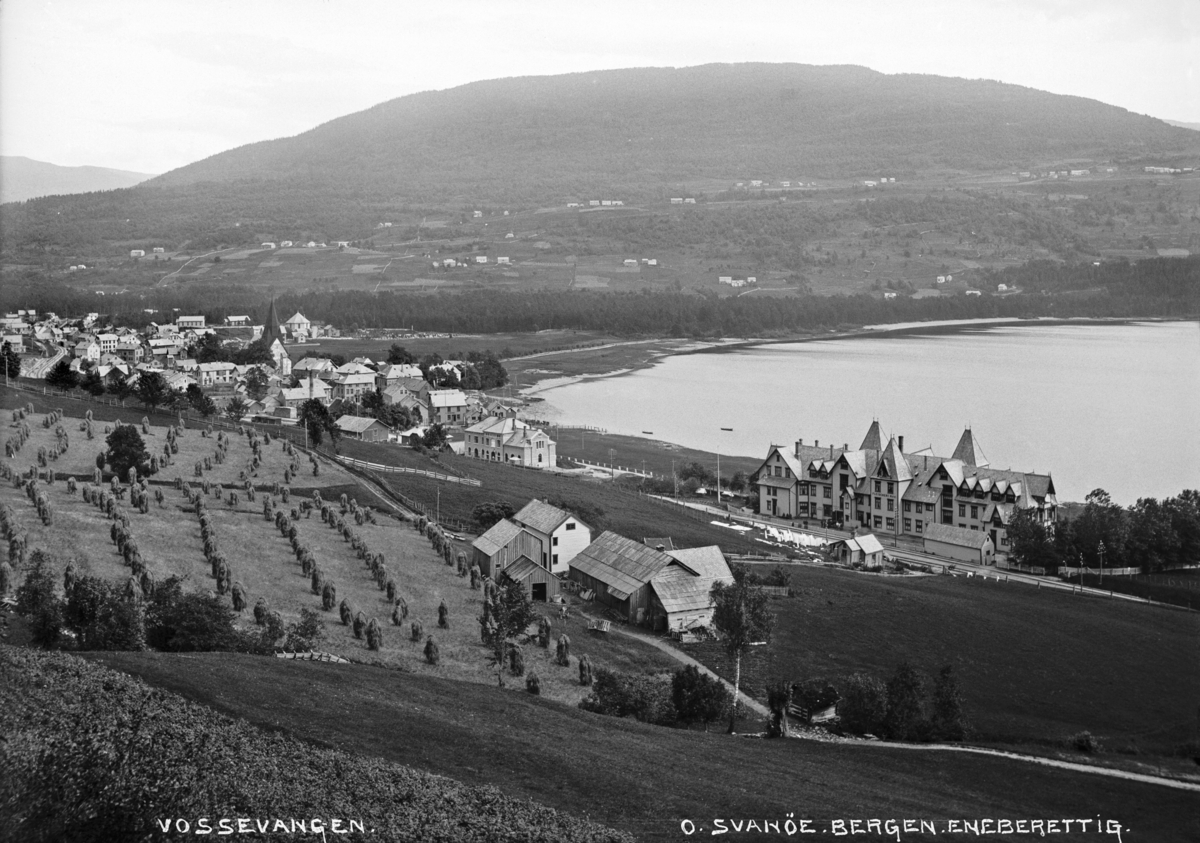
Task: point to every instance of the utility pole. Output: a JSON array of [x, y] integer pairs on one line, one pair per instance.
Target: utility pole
[[727, 430], [611, 471], [1100, 550]]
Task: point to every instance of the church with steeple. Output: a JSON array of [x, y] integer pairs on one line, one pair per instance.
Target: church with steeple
[[273, 336], [880, 486]]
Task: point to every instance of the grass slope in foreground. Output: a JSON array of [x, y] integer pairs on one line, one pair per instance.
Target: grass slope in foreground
[[91, 754], [644, 778]]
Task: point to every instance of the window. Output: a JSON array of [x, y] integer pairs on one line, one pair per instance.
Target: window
[[554, 541], [828, 510], [1003, 541], [878, 486], [891, 507], [907, 506], [891, 488], [778, 473], [804, 509], [920, 525], [555, 562], [787, 472], [878, 522], [891, 523], [570, 525], [878, 503], [974, 512], [929, 507], [962, 510]]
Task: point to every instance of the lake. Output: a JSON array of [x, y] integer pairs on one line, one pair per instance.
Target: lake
[[1114, 406]]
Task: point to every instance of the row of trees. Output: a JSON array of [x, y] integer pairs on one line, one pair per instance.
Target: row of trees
[[1151, 534]]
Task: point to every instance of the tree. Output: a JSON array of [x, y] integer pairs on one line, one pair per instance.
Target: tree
[[487, 515], [737, 483], [905, 718], [61, 376], [11, 360], [37, 601], [257, 383], [126, 450], [317, 421], [257, 353], [948, 722], [92, 383], [698, 696], [399, 355], [200, 402], [779, 697], [435, 437], [863, 705], [510, 613], [209, 349], [1031, 542], [741, 615], [152, 389], [236, 408], [121, 388]]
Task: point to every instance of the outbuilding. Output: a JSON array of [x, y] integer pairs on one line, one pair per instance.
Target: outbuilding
[[974, 546], [862, 550], [366, 429]]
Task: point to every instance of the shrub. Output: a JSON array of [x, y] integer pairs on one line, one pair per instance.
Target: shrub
[[307, 632], [1084, 742], [779, 697], [516, 660], [863, 705], [260, 611], [697, 696], [947, 721], [905, 718], [239, 597], [622, 695], [37, 602]]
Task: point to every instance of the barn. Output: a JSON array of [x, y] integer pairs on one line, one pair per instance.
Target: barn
[[366, 429], [539, 584], [619, 571], [681, 592], [862, 550], [503, 545], [973, 546]]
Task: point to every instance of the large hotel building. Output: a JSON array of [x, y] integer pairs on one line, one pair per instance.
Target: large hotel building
[[888, 491]]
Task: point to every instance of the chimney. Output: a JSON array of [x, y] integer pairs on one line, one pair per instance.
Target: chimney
[[799, 444], [846, 446], [900, 443], [816, 443], [831, 450]]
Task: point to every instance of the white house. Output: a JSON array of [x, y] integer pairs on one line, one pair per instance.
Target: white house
[[184, 323], [137, 253], [507, 439], [562, 535], [298, 325], [214, 374]]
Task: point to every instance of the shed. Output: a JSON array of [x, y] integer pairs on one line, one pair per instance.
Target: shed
[[974, 546], [366, 429], [538, 583], [858, 550]]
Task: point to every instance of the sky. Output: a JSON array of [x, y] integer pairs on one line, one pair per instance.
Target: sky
[[151, 85]]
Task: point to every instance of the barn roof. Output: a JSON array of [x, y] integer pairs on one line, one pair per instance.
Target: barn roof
[[704, 562], [357, 424], [501, 533], [622, 564], [947, 534], [679, 591], [521, 569]]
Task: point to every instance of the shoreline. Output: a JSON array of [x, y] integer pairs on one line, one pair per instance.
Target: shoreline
[[949, 326]]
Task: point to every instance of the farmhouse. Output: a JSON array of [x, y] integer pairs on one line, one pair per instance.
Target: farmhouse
[[562, 534], [363, 428], [972, 545], [446, 406], [507, 439], [880, 486], [212, 374]]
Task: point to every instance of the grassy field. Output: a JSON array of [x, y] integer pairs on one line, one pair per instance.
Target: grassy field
[[633, 776], [169, 538], [1034, 665], [622, 512], [657, 457]]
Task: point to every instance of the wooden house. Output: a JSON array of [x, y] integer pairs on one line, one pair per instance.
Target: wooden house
[[539, 584], [503, 545], [619, 571]]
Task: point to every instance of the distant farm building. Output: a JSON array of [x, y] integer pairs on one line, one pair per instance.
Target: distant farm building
[[137, 253]]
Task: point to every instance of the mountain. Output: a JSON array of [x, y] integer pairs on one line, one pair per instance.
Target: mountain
[[24, 178], [634, 134], [1183, 125]]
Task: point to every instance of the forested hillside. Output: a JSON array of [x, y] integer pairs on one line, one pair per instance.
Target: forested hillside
[[635, 135]]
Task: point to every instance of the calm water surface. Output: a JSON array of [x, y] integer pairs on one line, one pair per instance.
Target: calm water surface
[[1110, 406]]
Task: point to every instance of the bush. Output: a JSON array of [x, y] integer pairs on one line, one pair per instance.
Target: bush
[[37, 602], [948, 722], [697, 696], [863, 705], [1084, 742], [905, 719], [180, 622], [307, 633], [622, 695]]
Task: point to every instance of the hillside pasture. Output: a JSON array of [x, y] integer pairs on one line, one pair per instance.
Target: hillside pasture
[[642, 778], [1034, 665]]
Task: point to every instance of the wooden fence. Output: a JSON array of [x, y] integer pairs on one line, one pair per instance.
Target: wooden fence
[[399, 469]]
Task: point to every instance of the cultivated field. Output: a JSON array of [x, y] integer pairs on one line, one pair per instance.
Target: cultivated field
[[262, 559]]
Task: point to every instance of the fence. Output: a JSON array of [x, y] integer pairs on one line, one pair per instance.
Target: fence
[[1065, 571], [1024, 569], [399, 469]]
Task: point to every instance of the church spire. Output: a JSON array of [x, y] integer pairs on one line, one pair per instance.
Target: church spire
[[271, 326]]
